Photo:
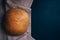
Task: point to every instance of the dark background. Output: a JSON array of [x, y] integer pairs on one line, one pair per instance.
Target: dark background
[[46, 19]]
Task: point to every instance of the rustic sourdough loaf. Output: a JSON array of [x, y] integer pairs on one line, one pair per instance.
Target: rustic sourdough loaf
[[16, 21]]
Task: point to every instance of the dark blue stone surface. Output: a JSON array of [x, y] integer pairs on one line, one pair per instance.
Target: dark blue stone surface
[[46, 19]]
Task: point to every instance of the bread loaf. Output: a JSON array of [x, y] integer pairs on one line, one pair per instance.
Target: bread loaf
[[16, 21]]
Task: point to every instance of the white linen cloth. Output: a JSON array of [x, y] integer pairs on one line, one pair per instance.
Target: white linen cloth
[[24, 4]]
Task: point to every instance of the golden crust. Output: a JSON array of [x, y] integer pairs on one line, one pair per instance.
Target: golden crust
[[16, 21]]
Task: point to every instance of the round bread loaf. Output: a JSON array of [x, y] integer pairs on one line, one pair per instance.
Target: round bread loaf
[[16, 21]]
